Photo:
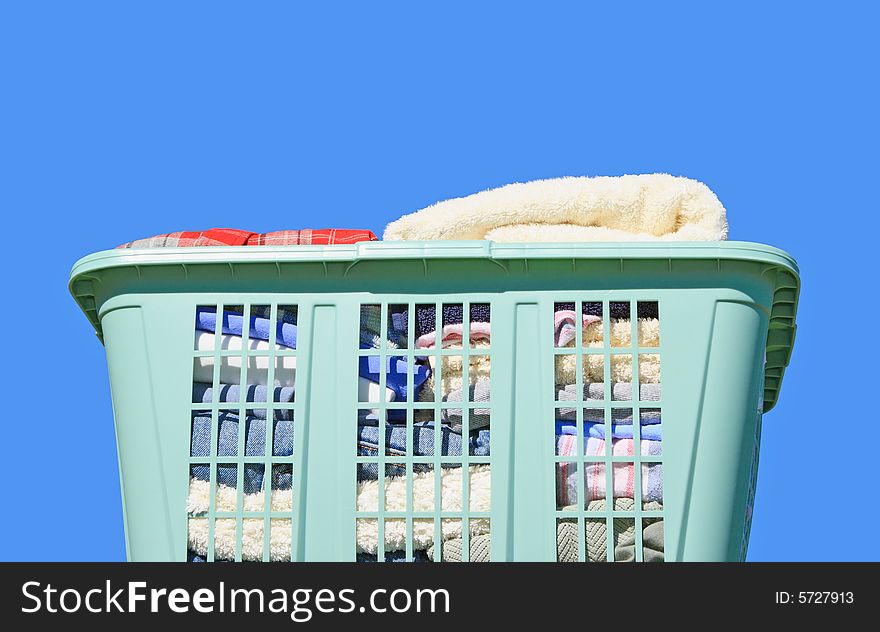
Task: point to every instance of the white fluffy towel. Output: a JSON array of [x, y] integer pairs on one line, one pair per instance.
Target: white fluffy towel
[[451, 500], [625, 208]]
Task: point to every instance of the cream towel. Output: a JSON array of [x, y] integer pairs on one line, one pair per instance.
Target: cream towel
[[624, 208], [594, 365], [451, 481], [621, 365]]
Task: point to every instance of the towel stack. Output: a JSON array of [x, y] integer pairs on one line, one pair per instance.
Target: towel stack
[[224, 379]]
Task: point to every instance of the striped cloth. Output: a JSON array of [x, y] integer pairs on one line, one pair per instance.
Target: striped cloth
[[564, 330], [623, 474], [236, 237]]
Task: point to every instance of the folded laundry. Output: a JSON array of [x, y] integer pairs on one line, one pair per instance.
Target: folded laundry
[[625, 208], [624, 529], [232, 326], [203, 393], [566, 445], [452, 365], [595, 391], [450, 374], [623, 474], [283, 313], [452, 314], [396, 370], [593, 367], [647, 416], [227, 437], [285, 368], [425, 321], [564, 329], [619, 329], [423, 444], [253, 474], [480, 550], [225, 537], [453, 335], [226, 499], [230, 365], [258, 368], [390, 556], [645, 309], [371, 416], [423, 501], [596, 533], [259, 327], [596, 430], [371, 326], [478, 392], [236, 237], [652, 542], [394, 556]]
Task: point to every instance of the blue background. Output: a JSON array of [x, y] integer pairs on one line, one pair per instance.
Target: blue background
[[124, 120]]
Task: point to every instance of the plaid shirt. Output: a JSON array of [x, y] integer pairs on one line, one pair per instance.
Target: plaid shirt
[[235, 237]]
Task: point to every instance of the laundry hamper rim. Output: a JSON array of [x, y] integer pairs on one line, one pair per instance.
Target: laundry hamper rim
[[87, 270], [390, 250]]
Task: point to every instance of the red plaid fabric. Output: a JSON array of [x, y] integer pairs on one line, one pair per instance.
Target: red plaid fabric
[[309, 237], [236, 237]]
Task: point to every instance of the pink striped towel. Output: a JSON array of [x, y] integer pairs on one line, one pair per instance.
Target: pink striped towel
[[453, 334], [564, 330]]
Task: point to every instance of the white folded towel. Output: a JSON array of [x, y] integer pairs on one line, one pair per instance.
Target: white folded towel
[[258, 366], [624, 208]]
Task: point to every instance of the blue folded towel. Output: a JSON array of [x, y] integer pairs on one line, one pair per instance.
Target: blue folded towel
[[285, 333], [395, 368], [369, 366], [652, 432], [203, 393], [369, 417]]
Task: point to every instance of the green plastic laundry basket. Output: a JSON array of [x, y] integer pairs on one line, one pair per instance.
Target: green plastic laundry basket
[[726, 330]]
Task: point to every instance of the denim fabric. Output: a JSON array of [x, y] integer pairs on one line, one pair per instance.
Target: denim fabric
[[227, 445], [423, 445], [204, 393]]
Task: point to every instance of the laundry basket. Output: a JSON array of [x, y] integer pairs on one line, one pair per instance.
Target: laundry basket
[[495, 448]]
